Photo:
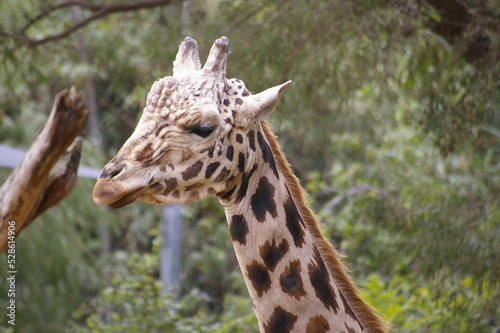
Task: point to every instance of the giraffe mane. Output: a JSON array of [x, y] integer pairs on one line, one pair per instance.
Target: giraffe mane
[[368, 316]]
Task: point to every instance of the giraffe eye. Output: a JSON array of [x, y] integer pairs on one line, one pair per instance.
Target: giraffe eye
[[203, 130]]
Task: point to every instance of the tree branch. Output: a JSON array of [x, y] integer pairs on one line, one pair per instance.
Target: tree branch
[[98, 11], [332, 204], [48, 172], [47, 11]]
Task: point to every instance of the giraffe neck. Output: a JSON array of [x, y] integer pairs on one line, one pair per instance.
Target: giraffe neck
[[286, 263]]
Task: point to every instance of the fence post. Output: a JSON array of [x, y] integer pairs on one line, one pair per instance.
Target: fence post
[[171, 250]]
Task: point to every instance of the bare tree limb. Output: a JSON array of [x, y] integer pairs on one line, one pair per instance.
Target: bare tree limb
[[47, 11], [332, 204], [98, 11], [237, 23], [47, 173]]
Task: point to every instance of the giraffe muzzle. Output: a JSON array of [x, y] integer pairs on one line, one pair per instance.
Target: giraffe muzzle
[[111, 170], [112, 191]]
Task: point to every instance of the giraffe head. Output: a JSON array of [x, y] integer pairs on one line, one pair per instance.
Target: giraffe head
[[188, 143]]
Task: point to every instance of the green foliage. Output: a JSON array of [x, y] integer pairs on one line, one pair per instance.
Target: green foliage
[[411, 190], [427, 223], [238, 316], [416, 307], [209, 259], [136, 302], [455, 97]]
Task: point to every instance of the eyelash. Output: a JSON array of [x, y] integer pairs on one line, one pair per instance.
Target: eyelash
[[203, 130]]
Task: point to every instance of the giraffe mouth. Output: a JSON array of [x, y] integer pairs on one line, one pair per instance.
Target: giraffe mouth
[[114, 196], [125, 200]]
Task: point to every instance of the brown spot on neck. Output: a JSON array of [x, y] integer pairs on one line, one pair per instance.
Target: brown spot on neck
[[367, 316], [263, 201], [291, 281], [251, 139], [238, 228], [267, 153], [294, 222], [259, 276], [272, 253], [317, 324], [281, 321], [320, 281]]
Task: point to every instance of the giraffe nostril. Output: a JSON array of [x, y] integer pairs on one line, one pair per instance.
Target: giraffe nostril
[[111, 171]]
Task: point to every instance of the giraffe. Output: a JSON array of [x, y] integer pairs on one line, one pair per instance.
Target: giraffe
[[201, 134]]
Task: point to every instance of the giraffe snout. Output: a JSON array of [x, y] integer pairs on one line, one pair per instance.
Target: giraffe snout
[[115, 192], [111, 170]]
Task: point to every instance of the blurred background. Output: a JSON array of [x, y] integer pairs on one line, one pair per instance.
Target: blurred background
[[392, 125]]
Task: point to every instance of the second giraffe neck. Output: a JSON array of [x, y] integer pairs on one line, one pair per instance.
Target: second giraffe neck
[[290, 285]]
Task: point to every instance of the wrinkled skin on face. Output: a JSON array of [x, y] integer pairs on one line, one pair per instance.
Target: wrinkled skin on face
[[186, 144]]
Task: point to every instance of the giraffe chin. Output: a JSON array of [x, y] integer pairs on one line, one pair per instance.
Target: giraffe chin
[[125, 200]]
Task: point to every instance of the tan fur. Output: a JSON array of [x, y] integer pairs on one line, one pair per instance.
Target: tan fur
[[367, 316]]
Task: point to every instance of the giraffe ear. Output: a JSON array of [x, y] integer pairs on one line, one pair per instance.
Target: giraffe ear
[[265, 101]]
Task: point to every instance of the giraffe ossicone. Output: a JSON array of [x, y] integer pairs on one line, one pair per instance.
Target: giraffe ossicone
[[202, 134]]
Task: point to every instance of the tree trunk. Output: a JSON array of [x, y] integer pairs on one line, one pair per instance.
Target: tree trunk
[[48, 172]]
